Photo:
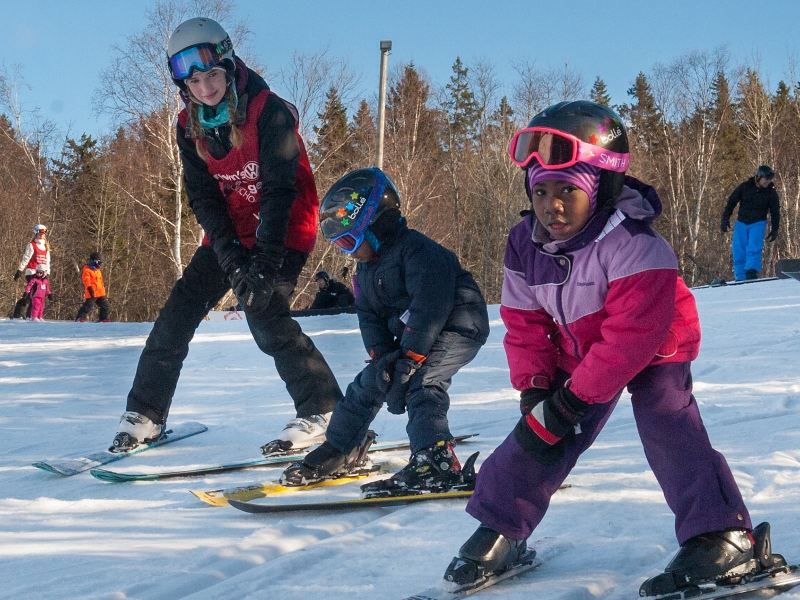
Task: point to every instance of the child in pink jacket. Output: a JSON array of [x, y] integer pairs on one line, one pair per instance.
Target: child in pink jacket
[[38, 287]]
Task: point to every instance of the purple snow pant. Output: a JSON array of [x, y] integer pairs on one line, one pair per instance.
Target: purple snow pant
[[513, 490]]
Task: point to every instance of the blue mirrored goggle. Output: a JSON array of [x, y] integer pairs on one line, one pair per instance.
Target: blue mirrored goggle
[[201, 57]]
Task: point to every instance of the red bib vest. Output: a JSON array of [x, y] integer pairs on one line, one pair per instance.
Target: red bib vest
[[39, 257], [239, 178]]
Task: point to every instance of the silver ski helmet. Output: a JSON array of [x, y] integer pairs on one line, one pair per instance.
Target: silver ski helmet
[[593, 134], [354, 203], [198, 44], [39, 228]]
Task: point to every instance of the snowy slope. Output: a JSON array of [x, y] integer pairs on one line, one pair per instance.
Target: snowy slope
[[63, 387]]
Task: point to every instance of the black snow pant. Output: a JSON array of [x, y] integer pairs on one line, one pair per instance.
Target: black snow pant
[[23, 303], [299, 363], [427, 400], [88, 305]]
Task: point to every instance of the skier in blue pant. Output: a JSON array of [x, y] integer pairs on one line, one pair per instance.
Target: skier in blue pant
[[756, 197]]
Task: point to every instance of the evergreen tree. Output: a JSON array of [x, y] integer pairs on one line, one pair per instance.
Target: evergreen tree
[[644, 120], [730, 156], [462, 110], [363, 133], [599, 93], [329, 152]]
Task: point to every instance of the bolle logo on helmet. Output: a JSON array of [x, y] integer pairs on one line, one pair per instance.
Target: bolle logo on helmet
[[350, 210], [605, 136]]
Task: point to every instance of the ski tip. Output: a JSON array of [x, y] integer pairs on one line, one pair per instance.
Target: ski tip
[[211, 498], [49, 468]]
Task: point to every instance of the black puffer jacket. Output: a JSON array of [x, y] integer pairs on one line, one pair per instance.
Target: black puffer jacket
[[754, 204], [414, 290], [336, 294]]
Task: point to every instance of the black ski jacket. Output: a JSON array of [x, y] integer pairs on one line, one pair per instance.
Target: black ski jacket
[[754, 204], [414, 290], [335, 295]]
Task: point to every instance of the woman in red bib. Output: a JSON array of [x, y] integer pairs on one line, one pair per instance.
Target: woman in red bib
[[250, 185], [37, 252]]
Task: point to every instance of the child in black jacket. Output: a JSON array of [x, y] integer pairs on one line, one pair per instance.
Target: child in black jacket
[[422, 317]]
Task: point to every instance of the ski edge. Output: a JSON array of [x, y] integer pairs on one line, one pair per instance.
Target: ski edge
[[253, 508]]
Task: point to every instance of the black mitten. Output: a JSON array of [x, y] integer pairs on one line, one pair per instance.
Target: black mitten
[[531, 397], [542, 430], [254, 289], [384, 370], [404, 369]]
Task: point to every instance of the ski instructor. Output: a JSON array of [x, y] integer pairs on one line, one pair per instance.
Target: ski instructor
[[756, 198], [250, 185]]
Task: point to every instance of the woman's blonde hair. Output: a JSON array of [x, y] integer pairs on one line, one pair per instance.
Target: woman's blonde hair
[[195, 130]]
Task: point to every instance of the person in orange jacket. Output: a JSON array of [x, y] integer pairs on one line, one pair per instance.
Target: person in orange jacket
[[95, 290]]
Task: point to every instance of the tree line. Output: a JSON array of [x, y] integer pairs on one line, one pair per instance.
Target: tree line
[[698, 126]]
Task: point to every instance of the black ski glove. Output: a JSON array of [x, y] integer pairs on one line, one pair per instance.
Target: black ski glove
[[17, 274], [231, 256], [531, 397], [91, 291], [404, 370], [725, 225], [384, 370], [773, 235], [542, 430], [254, 287]]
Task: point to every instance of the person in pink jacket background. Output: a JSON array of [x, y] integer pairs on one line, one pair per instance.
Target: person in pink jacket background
[[38, 289]]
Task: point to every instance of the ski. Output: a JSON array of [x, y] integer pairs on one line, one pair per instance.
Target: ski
[[543, 551], [347, 504], [77, 464], [275, 459], [254, 491], [357, 503], [781, 577], [722, 283]]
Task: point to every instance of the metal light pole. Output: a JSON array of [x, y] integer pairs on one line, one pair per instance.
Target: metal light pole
[[386, 45]]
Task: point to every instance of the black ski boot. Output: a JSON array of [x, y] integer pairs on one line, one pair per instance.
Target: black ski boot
[[750, 274], [723, 557], [431, 470], [326, 462], [485, 553]]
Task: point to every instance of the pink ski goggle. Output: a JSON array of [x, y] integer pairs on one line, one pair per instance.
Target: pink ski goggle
[[558, 150]]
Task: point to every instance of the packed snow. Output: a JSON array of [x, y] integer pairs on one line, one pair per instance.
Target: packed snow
[[63, 388]]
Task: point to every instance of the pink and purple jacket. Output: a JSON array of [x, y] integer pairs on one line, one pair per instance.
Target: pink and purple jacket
[[601, 306], [40, 287]]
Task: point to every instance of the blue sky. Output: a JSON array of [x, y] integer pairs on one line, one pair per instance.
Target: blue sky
[[63, 46]]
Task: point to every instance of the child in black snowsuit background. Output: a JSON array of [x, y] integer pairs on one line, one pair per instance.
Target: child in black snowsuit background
[[422, 317]]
